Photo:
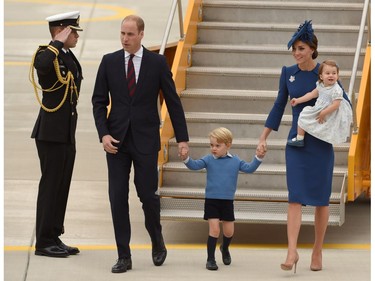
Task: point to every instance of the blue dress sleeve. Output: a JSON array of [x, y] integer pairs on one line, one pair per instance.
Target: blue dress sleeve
[[274, 118]]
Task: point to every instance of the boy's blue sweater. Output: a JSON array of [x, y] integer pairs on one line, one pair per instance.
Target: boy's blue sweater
[[222, 173]]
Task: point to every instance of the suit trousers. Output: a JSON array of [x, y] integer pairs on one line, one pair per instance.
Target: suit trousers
[[56, 164], [146, 184]]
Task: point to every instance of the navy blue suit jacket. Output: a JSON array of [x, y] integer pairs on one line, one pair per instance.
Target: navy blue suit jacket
[[140, 112]]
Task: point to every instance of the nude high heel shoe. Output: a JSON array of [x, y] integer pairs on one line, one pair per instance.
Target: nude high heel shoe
[[316, 267], [287, 267], [312, 268]]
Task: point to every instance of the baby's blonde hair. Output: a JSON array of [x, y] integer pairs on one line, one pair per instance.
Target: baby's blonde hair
[[222, 135], [327, 62]]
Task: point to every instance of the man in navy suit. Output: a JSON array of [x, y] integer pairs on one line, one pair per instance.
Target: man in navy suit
[[130, 133]]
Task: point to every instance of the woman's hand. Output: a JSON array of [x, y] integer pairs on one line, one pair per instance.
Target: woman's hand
[[261, 148]]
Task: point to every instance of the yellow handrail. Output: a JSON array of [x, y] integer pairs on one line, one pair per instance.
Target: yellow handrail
[[181, 62], [359, 167]]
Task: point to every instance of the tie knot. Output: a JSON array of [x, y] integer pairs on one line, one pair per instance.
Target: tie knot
[[131, 56]]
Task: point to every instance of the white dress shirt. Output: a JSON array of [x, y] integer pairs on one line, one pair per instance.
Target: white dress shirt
[[137, 59]]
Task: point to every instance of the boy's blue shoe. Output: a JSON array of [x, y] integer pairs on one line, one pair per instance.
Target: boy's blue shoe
[[295, 142]]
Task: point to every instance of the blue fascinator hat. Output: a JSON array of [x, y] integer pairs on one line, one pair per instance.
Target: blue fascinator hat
[[304, 33]]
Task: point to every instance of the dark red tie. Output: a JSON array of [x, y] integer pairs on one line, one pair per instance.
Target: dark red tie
[[131, 76]]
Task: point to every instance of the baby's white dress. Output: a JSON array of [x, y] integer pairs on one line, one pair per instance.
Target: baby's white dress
[[336, 128]]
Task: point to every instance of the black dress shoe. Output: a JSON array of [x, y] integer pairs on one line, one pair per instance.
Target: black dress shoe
[[226, 256], [159, 254], [122, 265], [211, 265], [70, 250], [51, 251]]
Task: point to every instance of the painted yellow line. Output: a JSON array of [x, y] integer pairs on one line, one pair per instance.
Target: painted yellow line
[[119, 12], [203, 246]]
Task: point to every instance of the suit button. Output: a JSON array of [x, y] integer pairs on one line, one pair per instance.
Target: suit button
[[72, 113]]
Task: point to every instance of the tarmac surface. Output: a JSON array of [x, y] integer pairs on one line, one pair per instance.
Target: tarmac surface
[[257, 250]]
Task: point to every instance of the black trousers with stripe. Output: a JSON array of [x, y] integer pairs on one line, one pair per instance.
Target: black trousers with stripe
[[56, 164]]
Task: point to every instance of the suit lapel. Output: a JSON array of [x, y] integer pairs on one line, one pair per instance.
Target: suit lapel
[[119, 63]]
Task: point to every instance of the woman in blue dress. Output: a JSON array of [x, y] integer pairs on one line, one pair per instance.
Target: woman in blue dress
[[309, 169]]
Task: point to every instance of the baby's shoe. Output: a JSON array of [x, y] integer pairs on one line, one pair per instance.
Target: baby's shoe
[[295, 142]]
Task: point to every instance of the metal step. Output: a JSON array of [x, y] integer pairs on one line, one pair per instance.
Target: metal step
[[249, 207], [245, 148], [239, 33], [245, 211], [282, 12], [301, 1], [268, 175], [242, 78], [241, 125], [266, 194], [226, 101], [275, 56]]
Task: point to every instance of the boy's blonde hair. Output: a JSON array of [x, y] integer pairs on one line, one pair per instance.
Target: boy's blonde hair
[[222, 135]]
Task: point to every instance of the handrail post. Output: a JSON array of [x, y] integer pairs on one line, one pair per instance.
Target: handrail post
[[180, 20], [161, 51], [165, 39], [169, 24], [355, 66], [369, 24]]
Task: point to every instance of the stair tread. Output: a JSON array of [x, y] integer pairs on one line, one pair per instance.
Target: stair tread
[[250, 142], [245, 211], [231, 116], [264, 167], [244, 217], [241, 193], [230, 93], [248, 70], [283, 4], [235, 70], [276, 26], [268, 48]]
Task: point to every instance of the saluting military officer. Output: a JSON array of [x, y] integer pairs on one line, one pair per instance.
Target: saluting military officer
[[59, 76]]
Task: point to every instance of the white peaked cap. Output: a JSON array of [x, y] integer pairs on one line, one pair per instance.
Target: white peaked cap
[[70, 19]]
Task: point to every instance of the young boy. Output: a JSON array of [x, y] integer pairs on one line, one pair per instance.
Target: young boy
[[222, 174]]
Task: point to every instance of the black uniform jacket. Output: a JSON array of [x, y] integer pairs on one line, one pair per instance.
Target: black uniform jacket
[[58, 126]]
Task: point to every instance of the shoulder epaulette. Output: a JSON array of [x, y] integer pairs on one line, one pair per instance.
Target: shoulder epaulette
[[49, 47], [41, 48]]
